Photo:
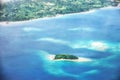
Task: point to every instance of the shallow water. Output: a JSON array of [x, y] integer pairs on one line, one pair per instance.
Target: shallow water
[[25, 47]]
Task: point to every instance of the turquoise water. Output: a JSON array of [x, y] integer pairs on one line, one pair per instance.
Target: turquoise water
[[26, 47]]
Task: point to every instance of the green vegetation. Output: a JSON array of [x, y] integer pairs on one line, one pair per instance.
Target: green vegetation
[[118, 0], [17, 10], [65, 56]]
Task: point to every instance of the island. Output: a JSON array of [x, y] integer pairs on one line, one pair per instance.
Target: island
[[68, 57], [65, 56]]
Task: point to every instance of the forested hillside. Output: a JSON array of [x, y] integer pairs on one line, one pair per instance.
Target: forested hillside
[[17, 10]]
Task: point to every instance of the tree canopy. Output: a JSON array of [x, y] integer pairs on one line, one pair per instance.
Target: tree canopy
[[65, 56], [18, 10]]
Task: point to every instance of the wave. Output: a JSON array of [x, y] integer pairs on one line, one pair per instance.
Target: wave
[[90, 44], [82, 29], [29, 29], [53, 40]]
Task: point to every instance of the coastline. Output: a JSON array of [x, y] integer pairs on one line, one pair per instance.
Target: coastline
[[80, 59], [4, 23]]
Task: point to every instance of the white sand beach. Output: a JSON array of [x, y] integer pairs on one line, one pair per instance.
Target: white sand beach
[[80, 59]]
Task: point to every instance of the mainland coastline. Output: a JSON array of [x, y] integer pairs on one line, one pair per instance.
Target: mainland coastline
[[4, 23]]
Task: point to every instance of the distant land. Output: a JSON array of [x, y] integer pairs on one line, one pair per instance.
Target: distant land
[[19, 10]]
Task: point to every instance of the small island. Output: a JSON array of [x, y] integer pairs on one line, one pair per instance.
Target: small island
[[68, 57], [65, 56]]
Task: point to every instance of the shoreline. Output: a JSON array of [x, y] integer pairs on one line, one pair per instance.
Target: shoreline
[[80, 59], [57, 16]]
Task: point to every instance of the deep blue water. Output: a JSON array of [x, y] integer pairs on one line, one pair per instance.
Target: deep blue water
[[25, 47]]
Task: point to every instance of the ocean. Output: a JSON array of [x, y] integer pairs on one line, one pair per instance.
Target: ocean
[[26, 47]]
